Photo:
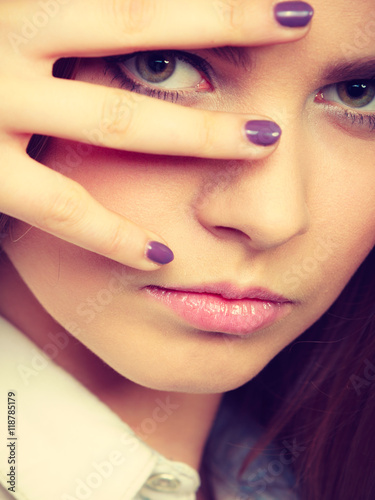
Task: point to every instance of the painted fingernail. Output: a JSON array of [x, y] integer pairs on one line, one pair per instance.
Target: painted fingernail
[[293, 14], [262, 132], [159, 253]]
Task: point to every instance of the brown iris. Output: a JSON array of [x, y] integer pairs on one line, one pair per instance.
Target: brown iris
[[155, 67], [356, 94]]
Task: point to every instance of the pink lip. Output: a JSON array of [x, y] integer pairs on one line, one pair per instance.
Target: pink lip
[[224, 308]]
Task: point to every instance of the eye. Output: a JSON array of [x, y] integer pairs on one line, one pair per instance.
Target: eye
[[357, 94], [166, 70], [154, 67]]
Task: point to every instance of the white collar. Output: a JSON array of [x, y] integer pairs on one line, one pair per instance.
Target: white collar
[[70, 446]]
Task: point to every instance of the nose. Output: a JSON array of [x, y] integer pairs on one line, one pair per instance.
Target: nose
[[261, 203]]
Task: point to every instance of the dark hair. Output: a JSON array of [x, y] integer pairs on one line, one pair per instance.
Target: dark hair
[[327, 402]]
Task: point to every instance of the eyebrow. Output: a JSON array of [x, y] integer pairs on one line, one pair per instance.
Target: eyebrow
[[348, 70], [237, 56], [335, 71]]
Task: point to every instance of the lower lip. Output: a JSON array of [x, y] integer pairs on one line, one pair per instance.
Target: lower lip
[[212, 312]]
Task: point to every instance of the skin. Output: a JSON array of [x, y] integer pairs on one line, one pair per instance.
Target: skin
[[286, 222], [35, 36]]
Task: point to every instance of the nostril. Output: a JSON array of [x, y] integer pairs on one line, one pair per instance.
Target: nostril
[[222, 230]]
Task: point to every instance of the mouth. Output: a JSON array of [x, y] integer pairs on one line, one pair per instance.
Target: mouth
[[223, 308]]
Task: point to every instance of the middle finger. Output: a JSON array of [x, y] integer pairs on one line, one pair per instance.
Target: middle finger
[[101, 27], [120, 119]]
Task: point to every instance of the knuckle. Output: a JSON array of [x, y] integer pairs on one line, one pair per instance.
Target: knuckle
[[114, 242], [131, 16], [117, 115], [66, 209], [231, 14]]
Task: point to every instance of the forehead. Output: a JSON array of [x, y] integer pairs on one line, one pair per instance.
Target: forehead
[[342, 32], [344, 26]]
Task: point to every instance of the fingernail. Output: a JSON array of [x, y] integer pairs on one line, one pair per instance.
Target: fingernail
[[159, 253], [293, 14], [262, 132]]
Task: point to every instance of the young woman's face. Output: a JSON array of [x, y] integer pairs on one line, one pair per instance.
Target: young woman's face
[[298, 223]]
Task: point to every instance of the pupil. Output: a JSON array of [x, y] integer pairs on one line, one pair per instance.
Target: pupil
[[157, 64], [356, 93], [155, 67], [356, 90]]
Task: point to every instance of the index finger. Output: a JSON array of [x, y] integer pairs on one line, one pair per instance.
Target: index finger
[[101, 27]]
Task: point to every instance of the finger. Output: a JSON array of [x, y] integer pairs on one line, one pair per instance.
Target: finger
[[62, 207], [98, 27], [123, 120]]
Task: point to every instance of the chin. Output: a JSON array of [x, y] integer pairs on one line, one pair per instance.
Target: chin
[[192, 380]]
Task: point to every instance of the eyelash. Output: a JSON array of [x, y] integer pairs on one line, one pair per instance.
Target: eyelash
[[114, 66], [349, 114], [360, 119]]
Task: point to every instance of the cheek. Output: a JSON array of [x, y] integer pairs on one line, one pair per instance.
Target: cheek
[[148, 190], [73, 284], [60, 275], [345, 173], [341, 185]]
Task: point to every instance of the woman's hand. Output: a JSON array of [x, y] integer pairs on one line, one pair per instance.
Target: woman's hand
[[34, 34]]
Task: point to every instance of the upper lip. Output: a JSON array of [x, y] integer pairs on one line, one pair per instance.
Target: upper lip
[[230, 291]]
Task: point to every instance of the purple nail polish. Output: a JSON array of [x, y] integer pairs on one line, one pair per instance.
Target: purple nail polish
[[262, 132], [293, 14], [159, 253]]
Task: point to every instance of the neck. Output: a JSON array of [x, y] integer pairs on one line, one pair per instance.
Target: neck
[[174, 424]]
